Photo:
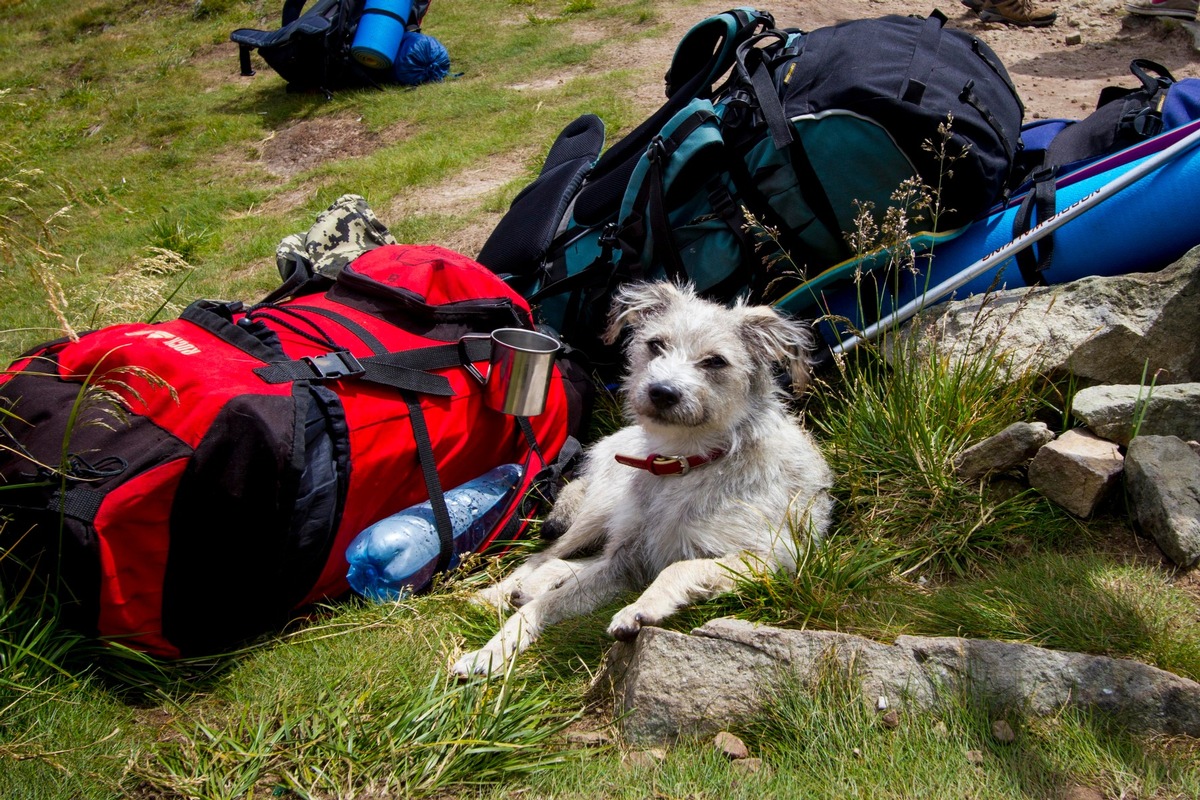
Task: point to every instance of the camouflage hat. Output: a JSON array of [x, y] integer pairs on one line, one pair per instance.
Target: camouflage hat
[[342, 233]]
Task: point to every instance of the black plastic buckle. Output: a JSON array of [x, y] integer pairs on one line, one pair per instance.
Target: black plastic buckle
[[720, 200], [656, 150], [1043, 174], [335, 365], [1148, 123], [608, 235]]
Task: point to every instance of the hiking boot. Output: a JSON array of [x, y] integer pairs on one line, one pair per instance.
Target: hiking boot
[[1018, 12], [1184, 9]]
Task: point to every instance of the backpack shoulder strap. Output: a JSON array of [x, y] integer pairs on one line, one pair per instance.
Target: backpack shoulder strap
[[704, 54], [706, 51]]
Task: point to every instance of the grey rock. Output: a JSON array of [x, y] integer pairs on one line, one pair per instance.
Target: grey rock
[[667, 684], [697, 685], [1192, 27], [1111, 411], [1102, 329], [1076, 471], [1009, 448], [1163, 478]]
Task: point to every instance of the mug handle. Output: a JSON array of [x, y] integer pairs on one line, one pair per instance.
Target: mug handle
[[465, 359]]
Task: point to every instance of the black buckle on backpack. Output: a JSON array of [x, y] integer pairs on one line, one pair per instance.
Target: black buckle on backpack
[[335, 365], [608, 235], [1147, 123], [656, 150]]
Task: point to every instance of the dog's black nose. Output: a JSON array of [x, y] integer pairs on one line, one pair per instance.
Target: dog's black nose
[[663, 395]]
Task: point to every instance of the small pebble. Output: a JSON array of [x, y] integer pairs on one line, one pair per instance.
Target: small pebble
[[891, 719], [730, 746], [974, 757], [1002, 732], [1073, 39]]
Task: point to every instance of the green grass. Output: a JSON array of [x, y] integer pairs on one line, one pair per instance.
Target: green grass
[[358, 702], [142, 130], [133, 179]]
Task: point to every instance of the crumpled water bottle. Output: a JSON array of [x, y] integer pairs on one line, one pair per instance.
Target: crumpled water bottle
[[399, 554]]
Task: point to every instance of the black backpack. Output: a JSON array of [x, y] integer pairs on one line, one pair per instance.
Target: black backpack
[[312, 50], [824, 95]]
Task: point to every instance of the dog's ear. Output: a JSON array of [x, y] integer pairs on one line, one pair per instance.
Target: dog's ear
[[778, 339], [634, 302]]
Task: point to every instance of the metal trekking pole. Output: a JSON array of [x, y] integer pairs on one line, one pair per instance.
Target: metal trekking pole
[[1039, 231]]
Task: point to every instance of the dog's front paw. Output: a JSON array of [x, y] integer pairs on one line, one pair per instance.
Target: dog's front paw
[[492, 597], [479, 662], [628, 621]]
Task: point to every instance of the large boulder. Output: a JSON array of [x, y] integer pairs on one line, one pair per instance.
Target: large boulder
[[666, 685], [1101, 329]]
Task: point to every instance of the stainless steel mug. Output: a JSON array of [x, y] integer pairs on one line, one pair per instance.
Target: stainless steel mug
[[519, 371]]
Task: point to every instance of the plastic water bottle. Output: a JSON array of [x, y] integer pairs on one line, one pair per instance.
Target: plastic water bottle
[[399, 554]]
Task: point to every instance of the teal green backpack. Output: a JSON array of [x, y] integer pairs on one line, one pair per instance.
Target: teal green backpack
[[805, 131]]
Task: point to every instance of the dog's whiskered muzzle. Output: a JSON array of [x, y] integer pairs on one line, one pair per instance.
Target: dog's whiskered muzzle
[[663, 396]]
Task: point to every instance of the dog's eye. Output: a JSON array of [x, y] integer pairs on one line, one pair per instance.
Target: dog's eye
[[714, 362], [656, 346]]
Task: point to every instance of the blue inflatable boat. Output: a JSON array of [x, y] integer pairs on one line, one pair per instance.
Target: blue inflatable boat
[[1136, 210]]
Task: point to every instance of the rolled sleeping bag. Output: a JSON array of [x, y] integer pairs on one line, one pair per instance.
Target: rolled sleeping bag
[[380, 33], [421, 59]]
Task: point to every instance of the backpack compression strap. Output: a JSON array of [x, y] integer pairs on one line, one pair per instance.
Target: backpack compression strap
[[407, 370]]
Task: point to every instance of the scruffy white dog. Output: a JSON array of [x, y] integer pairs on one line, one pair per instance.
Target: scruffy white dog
[[698, 489]]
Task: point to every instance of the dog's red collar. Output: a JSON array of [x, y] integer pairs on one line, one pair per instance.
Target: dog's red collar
[[669, 465]]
